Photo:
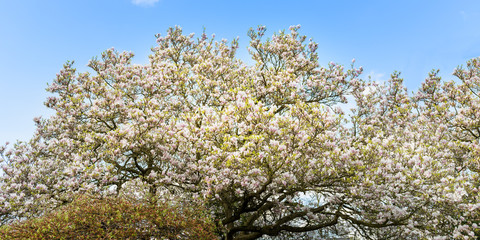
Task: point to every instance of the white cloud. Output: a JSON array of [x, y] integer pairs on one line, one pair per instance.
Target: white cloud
[[377, 77], [144, 2], [464, 15]]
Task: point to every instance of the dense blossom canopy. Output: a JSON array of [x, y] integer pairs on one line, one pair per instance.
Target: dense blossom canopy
[[266, 147]]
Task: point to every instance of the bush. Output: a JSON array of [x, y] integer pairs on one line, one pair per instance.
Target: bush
[[114, 218]]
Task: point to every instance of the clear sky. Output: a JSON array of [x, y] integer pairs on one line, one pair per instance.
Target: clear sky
[[37, 37]]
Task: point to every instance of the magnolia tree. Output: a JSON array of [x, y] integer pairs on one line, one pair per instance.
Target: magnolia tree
[[265, 147]]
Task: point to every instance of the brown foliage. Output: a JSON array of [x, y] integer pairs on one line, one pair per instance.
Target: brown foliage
[[114, 218]]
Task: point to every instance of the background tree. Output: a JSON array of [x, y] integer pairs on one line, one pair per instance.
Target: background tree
[[454, 107], [265, 147]]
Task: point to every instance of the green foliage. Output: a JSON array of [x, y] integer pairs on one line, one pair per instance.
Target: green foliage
[[114, 218]]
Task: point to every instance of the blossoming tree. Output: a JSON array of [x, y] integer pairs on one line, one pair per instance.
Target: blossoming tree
[[266, 147]]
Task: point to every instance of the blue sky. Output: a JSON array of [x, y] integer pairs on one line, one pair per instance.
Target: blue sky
[[37, 37]]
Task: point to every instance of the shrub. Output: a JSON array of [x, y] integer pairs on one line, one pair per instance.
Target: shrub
[[114, 218]]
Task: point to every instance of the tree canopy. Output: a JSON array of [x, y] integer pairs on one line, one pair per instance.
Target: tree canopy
[[267, 147]]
